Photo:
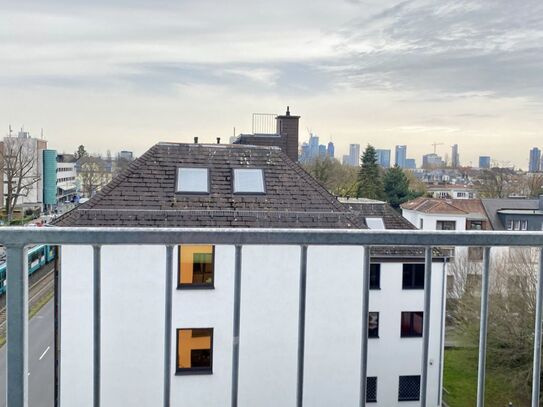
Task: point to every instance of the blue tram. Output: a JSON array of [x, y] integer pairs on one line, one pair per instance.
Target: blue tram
[[38, 256]]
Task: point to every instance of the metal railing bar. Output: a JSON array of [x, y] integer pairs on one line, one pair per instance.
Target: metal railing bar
[[536, 374], [481, 370], [17, 326], [236, 327], [97, 289], [256, 236], [168, 325], [301, 327], [426, 325], [365, 323]]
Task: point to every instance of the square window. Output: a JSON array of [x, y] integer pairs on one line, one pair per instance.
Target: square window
[[373, 325], [196, 266], [412, 324], [248, 181], [194, 351], [446, 225], [413, 276], [375, 276], [371, 389], [409, 388], [193, 180]]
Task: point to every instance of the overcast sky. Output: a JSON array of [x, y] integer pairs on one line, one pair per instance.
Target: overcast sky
[[127, 74]]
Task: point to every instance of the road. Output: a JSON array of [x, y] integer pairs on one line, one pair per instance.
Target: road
[[40, 363]]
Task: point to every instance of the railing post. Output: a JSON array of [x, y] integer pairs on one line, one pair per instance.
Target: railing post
[[168, 325], [236, 324], [426, 324], [365, 316], [537, 334], [97, 255], [481, 373], [301, 327], [17, 326]]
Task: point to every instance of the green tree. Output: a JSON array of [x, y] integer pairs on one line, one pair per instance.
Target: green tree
[[396, 187], [370, 183], [339, 179]]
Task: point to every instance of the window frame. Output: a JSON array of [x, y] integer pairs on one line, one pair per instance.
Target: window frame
[[264, 187], [373, 336], [373, 378], [411, 333], [188, 371], [195, 286], [375, 268], [178, 171], [442, 222], [408, 398], [413, 286]]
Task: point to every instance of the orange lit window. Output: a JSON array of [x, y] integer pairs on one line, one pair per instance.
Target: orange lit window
[[196, 266], [194, 351]]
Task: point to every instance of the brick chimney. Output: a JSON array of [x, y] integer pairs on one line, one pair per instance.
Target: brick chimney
[[288, 128]]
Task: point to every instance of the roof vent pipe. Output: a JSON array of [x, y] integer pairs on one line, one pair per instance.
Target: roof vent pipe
[[218, 140], [195, 140]]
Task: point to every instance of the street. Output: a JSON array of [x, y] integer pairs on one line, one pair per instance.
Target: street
[[40, 362]]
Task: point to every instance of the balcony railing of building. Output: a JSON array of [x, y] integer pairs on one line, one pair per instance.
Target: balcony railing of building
[[17, 239]]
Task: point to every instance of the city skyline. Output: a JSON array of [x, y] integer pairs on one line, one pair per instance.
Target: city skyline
[[355, 71]]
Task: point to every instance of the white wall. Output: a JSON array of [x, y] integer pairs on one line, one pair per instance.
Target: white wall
[[133, 317], [132, 325]]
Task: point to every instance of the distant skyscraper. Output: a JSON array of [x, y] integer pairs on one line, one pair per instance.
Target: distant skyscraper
[[432, 161], [383, 158], [401, 155], [330, 150], [322, 151], [410, 164], [354, 155], [484, 161], [535, 160], [455, 157]]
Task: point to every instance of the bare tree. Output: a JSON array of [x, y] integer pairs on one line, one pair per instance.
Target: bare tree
[[93, 174], [534, 184], [513, 280], [18, 161]]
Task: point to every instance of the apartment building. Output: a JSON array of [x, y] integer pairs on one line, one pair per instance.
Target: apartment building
[[218, 186]]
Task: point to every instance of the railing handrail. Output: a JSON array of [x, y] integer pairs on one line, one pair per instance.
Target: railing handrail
[[255, 236]]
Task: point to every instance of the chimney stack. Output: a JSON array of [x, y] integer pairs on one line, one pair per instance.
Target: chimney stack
[[287, 128], [218, 140], [195, 140]]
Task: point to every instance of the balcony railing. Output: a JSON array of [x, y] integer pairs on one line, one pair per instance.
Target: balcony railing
[[16, 239]]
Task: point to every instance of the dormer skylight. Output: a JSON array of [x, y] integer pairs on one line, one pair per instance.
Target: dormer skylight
[[375, 223], [192, 180], [248, 181]]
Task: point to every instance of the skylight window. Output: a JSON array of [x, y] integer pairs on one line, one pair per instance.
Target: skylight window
[[248, 181], [375, 223], [193, 180]]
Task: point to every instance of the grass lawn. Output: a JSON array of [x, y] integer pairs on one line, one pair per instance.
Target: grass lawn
[[460, 380]]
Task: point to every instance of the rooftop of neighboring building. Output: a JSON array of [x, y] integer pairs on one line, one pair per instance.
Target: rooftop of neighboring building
[[511, 206], [469, 208], [147, 193], [373, 209]]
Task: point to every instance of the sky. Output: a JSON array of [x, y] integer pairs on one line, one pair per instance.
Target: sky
[[125, 74]]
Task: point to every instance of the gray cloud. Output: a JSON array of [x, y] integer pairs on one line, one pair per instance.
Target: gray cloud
[[493, 48]]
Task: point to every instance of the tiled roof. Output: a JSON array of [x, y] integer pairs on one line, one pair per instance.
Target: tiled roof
[[144, 194], [391, 218], [492, 206], [434, 205]]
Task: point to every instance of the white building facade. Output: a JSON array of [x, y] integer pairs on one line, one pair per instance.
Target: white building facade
[[257, 183]]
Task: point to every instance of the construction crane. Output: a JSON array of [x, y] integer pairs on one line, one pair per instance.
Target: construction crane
[[435, 146]]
